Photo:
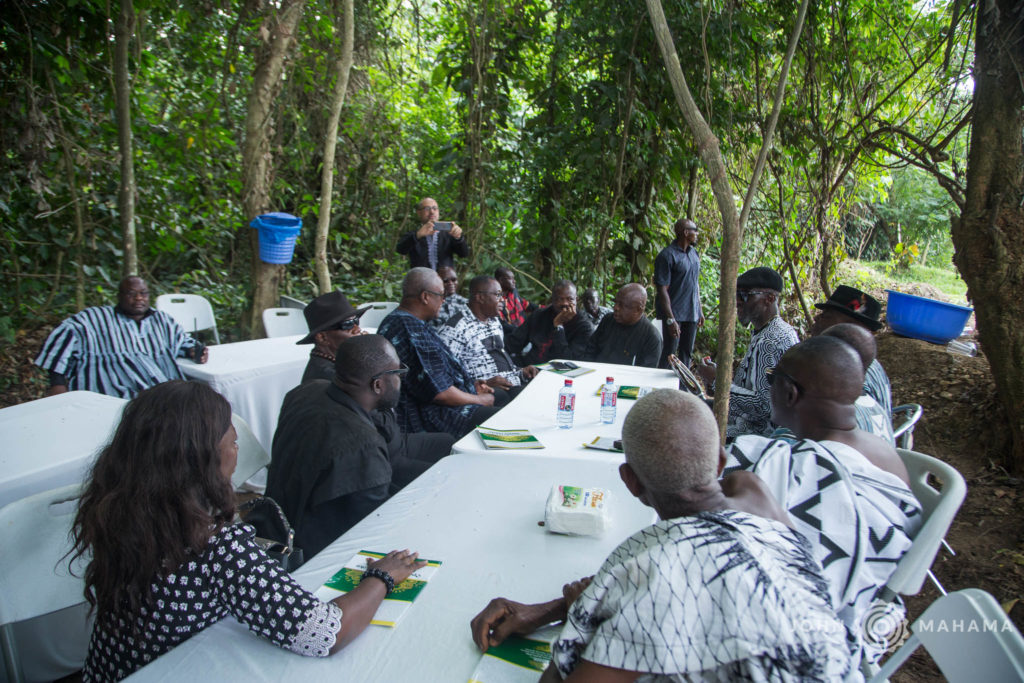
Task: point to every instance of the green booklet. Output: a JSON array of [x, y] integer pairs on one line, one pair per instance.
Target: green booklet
[[396, 604], [508, 438], [605, 443], [627, 392], [517, 659], [565, 368]]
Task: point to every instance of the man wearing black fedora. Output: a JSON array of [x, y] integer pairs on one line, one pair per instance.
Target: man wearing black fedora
[[850, 305], [331, 320]]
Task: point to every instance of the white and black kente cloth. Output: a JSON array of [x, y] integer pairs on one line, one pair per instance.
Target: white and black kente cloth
[[717, 596], [480, 346], [750, 407], [859, 519], [451, 306]]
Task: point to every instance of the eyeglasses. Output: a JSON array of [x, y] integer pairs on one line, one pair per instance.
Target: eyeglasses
[[770, 374], [401, 372], [744, 294], [346, 324], [426, 208], [437, 294], [497, 294]]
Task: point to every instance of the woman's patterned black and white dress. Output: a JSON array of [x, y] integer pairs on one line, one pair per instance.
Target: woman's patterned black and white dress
[[232, 576]]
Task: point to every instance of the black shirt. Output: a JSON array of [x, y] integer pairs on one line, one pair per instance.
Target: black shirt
[[637, 344], [546, 342]]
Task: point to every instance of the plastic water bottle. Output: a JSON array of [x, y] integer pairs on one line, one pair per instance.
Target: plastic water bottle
[[566, 405], [962, 348], [608, 397]]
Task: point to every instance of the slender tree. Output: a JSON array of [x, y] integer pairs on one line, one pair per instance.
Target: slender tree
[[123, 29]]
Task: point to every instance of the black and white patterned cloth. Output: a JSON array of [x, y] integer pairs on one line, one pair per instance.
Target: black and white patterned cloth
[[480, 346], [874, 419], [232, 576], [876, 385], [719, 596], [750, 407], [859, 519], [450, 307]]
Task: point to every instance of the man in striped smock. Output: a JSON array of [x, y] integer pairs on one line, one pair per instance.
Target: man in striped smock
[[116, 350]]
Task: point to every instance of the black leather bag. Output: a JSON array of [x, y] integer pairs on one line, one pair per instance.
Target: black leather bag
[[273, 532]]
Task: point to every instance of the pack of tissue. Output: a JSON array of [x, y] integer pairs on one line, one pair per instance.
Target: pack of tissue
[[575, 510]]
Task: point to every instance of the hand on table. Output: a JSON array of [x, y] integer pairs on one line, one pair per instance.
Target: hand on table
[[205, 357], [503, 617], [571, 591], [530, 371], [57, 389], [399, 563]]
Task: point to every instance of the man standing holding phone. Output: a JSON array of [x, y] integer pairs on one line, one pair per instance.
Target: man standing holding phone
[[435, 243]]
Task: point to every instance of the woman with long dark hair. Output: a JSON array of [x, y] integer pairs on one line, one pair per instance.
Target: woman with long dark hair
[[166, 560]]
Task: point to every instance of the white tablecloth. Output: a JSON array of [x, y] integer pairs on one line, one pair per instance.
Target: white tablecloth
[[478, 515], [53, 441], [534, 409], [253, 376]]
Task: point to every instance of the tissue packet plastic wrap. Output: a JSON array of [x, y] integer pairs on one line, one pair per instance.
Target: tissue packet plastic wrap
[[576, 510]]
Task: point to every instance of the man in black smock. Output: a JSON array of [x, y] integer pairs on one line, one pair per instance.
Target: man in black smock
[[332, 463], [626, 337], [557, 331]]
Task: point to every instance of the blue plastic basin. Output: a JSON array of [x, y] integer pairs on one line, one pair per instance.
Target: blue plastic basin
[[928, 319]]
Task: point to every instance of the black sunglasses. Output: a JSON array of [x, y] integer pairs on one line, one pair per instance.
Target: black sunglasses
[[744, 294], [346, 324], [770, 374], [401, 372]]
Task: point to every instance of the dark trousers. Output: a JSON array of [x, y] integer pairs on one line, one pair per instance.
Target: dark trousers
[[416, 455], [684, 347]]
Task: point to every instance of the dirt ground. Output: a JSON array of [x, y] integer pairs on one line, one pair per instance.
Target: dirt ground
[[962, 425]]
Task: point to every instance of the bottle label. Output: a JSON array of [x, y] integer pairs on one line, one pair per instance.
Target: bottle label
[[567, 402], [609, 398]]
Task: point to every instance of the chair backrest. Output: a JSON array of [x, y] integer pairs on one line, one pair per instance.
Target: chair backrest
[[903, 432], [286, 301], [378, 311], [968, 636], [191, 311], [284, 322], [34, 575], [939, 508], [252, 457], [657, 328]]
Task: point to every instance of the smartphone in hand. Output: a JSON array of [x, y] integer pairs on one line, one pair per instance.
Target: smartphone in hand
[[443, 226]]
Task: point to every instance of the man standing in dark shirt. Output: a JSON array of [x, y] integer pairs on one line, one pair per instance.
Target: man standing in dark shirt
[[677, 279], [434, 244], [626, 337], [557, 331], [331, 464], [331, 320]]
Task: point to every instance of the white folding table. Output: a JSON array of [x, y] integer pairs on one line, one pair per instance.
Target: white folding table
[[253, 376], [478, 515], [53, 441], [534, 409]]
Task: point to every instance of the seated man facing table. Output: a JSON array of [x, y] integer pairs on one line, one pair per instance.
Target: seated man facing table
[[434, 244], [474, 337], [454, 303], [720, 589], [846, 490], [626, 337], [117, 350], [331, 320], [438, 395], [592, 308], [557, 331], [850, 305], [332, 460], [757, 302]]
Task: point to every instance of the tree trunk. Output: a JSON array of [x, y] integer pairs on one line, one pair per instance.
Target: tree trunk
[[344, 66], [732, 224], [257, 159], [989, 235], [122, 93]]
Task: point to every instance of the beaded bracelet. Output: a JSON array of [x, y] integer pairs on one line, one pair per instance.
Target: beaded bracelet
[[375, 573]]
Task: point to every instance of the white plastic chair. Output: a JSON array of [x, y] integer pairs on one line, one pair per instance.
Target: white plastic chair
[[286, 301], [252, 457], [969, 638], [903, 432], [191, 311], [938, 508], [378, 311], [34, 574], [284, 322]]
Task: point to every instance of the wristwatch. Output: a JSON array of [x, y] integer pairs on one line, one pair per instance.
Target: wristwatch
[[670, 321]]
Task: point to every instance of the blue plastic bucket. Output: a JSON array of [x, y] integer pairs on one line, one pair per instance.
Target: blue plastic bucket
[[928, 319], [277, 233]]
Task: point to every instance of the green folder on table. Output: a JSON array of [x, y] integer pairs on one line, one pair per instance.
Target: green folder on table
[[508, 438]]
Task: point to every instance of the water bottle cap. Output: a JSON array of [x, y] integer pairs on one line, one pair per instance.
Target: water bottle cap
[[568, 382], [609, 380]]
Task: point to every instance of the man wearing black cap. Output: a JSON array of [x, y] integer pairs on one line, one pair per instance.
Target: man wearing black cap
[[850, 305], [331, 320], [757, 302]]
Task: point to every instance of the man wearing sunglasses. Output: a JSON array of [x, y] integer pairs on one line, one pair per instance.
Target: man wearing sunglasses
[[331, 320], [332, 460], [757, 303]]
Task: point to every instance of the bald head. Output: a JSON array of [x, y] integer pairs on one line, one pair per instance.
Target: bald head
[[361, 357], [825, 367], [671, 441], [630, 303], [419, 280], [857, 336]]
